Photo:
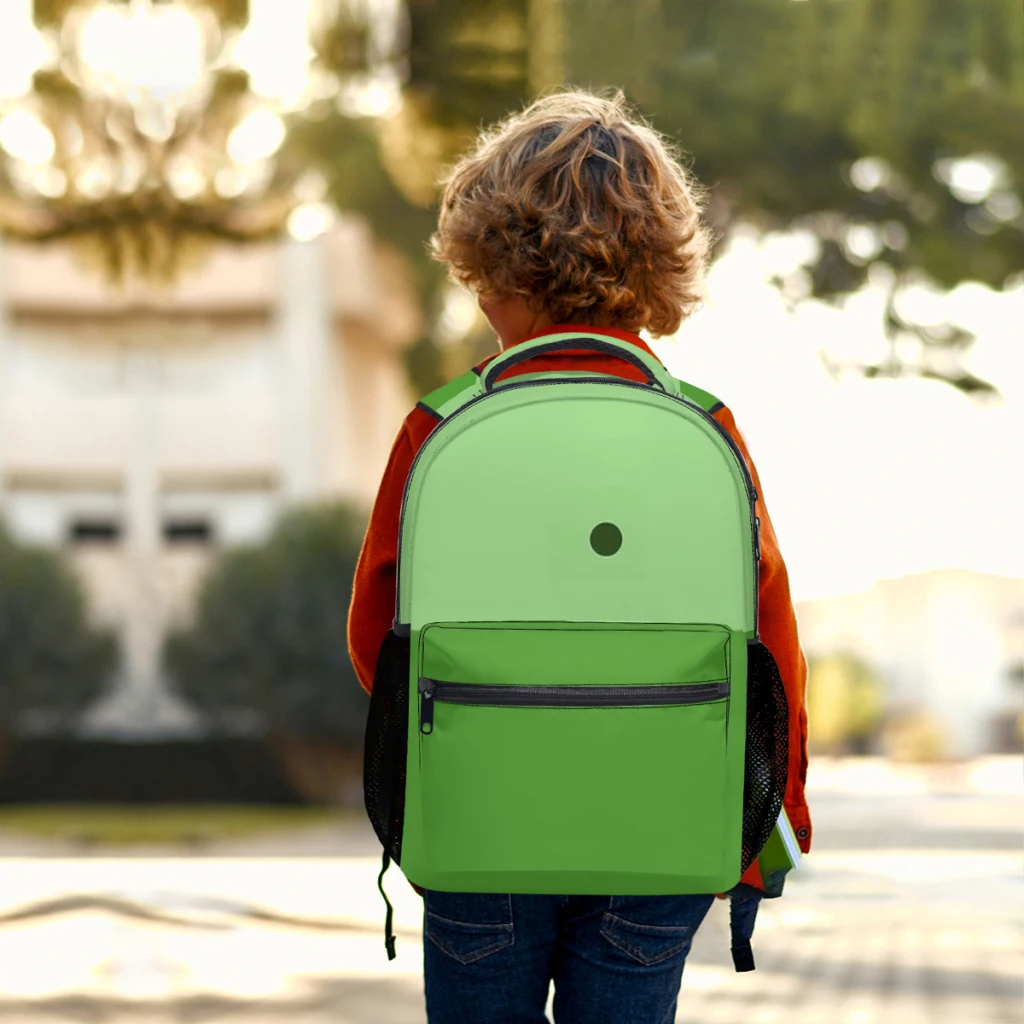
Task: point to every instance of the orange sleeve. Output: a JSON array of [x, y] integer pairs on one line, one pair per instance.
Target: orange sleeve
[[372, 608], [778, 629]]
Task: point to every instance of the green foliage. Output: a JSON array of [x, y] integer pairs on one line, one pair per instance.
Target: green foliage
[[470, 59], [52, 663], [844, 702], [358, 181], [347, 151], [269, 633], [469, 63], [776, 101], [49, 13]]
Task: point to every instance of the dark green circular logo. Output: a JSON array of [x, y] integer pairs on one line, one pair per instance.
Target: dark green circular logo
[[606, 538]]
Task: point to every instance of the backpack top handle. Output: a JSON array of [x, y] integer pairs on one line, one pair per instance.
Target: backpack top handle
[[652, 369]]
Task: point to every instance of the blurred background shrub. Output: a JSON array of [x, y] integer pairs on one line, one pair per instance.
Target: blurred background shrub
[[267, 653], [844, 704], [913, 734], [53, 663]]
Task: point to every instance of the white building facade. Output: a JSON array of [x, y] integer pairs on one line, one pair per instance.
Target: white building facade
[[141, 432]]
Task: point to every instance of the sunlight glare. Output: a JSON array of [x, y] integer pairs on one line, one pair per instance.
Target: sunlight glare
[[310, 220], [377, 95], [971, 179], [869, 173], [863, 242], [50, 181], [25, 137], [458, 316], [23, 51], [256, 137], [876, 446], [274, 50], [186, 178], [96, 179], [159, 52]]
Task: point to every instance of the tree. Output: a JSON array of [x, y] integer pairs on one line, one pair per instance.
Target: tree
[[269, 631], [888, 128], [53, 664], [844, 703], [267, 647]]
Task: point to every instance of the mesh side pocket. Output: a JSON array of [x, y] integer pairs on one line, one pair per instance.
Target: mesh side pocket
[[767, 757], [386, 745]]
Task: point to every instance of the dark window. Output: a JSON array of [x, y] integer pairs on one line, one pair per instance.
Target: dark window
[[188, 531], [94, 530]]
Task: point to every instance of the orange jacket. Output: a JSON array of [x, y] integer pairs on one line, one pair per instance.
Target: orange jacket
[[373, 594]]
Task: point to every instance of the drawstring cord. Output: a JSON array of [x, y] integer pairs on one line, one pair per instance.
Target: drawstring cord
[[389, 935]]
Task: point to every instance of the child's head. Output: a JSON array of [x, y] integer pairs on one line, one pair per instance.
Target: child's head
[[580, 210]]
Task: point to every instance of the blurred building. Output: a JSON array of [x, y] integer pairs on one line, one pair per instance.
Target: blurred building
[[143, 431], [949, 643]]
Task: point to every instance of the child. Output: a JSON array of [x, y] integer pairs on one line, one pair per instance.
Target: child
[[573, 213]]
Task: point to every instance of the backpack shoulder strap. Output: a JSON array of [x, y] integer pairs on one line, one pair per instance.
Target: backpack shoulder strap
[[707, 401], [443, 401]]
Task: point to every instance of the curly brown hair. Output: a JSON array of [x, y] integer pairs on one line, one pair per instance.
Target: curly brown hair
[[579, 206]]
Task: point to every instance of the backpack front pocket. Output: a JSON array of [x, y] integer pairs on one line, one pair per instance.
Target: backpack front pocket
[[574, 757]]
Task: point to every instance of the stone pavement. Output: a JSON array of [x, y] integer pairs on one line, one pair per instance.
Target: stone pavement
[[908, 912]]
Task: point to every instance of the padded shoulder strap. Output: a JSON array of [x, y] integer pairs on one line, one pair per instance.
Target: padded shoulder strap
[[707, 401], [442, 401]]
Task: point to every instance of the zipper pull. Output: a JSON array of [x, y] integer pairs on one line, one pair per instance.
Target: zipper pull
[[426, 688], [757, 535]]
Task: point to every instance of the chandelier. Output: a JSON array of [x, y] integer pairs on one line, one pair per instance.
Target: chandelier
[[140, 132]]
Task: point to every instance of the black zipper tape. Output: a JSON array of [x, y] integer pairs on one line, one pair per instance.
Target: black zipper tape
[[500, 695]]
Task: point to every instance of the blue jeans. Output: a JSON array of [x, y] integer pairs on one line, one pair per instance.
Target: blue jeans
[[489, 959]]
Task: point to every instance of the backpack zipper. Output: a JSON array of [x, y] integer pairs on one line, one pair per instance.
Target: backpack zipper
[[614, 382], [500, 695]]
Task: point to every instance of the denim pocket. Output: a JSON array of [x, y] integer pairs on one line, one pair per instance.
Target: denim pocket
[[468, 926], [648, 944], [667, 932]]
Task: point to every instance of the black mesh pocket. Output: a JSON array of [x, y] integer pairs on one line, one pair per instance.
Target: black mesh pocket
[[386, 745], [767, 759]]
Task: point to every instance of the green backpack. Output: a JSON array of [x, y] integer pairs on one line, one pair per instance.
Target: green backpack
[[573, 698]]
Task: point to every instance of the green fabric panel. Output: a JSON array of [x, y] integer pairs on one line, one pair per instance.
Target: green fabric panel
[[440, 396], [471, 390], [627, 801], [571, 458], [704, 399], [542, 790], [574, 654]]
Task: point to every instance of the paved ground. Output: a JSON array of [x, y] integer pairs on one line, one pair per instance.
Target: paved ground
[[908, 912]]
